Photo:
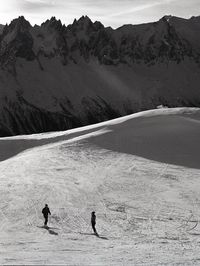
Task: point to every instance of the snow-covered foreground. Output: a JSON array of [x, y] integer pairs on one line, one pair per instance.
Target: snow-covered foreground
[[139, 173]]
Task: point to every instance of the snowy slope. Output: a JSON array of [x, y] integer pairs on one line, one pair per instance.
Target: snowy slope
[[55, 77], [147, 207]]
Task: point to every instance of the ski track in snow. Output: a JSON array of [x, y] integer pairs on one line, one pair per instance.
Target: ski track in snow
[[147, 211]]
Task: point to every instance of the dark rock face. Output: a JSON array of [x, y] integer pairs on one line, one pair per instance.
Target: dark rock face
[[147, 43], [171, 40], [24, 118], [21, 119], [16, 41]]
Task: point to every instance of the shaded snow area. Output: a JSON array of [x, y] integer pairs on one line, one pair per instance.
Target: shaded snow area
[[140, 173]]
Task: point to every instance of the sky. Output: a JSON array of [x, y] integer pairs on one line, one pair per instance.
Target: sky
[[114, 13]]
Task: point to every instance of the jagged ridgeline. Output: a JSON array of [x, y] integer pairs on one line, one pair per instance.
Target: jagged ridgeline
[[56, 77]]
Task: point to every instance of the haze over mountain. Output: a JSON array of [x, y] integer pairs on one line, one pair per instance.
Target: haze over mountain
[[55, 77]]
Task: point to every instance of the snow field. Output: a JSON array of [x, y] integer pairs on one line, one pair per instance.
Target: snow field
[[147, 211]]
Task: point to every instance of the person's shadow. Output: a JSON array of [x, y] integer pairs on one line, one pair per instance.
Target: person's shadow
[[49, 229], [97, 235], [102, 237]]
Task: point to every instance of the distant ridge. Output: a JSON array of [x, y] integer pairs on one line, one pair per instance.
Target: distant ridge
[[56, 77]]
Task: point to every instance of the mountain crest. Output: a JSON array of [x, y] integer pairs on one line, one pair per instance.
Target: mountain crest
[[52, 23], [162, 41], [19, 24], [82, 23], [54, 77], [167, 18]]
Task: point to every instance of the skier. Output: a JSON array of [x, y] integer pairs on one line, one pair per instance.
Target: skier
[[46, 212], [93, 222]]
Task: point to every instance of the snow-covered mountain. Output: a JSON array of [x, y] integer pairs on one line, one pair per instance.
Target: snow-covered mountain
[[140, 173], [55, 77]]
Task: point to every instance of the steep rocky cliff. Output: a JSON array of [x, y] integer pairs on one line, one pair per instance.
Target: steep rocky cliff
[[55, 77]]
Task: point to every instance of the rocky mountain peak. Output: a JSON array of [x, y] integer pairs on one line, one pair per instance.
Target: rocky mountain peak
[[197, 18], [18, 24], [82, 24], [88, 73], [166, 18], [83, 20], [163, 40], [52, 23], [16, 41]]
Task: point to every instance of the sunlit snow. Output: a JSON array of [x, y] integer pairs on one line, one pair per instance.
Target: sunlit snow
[[140, 173]]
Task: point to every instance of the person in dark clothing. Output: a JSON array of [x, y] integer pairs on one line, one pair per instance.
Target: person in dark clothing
[[46, 212], [93, 222]]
